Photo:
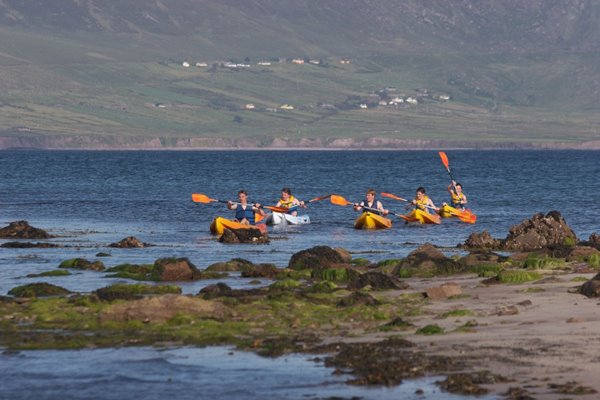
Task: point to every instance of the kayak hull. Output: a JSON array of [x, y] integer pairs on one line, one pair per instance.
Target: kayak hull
[[369, 220], [467, 216], [219, 224], [276, 218], [422, 217]]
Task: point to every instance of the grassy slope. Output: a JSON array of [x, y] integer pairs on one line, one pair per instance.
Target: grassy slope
[[108, 84]]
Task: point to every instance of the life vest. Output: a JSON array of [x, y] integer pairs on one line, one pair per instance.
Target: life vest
[[422, 204], [248, 213], [374, 210], [456, 199], [287, 203]]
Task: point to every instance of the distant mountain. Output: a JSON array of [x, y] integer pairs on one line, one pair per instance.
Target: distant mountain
[[527, 71]]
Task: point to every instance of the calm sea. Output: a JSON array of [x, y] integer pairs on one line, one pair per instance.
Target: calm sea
[[91, 199]]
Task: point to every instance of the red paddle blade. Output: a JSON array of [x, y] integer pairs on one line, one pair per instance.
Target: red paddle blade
[[444, 158], [277, 209], [201, 198], [318, 198], [339, 200], [393, 196]]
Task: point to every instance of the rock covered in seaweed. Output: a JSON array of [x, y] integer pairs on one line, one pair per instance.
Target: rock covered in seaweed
[[22, 230]]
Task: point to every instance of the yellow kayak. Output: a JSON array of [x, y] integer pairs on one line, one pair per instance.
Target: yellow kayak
[[219, 224], [422, 217], [467, 216], [369, 220]]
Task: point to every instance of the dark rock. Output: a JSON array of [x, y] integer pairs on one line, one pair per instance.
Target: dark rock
[[102, 254], [582, 253], [482, 257], [247, 235], [128, 243], [176, 269], [269, 271], [377, 281], [428, 261], [444, 291], [214, 291], [317, 257], [22, 230], [481, 240], [27, 245], [591, 288], [538, 232], [468, 383], [358, 298], [121, 291], [83, 264], [235, 264], [41, 289]]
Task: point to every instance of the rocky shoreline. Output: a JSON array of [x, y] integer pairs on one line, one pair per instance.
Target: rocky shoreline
[[519, 326], [50, 141]]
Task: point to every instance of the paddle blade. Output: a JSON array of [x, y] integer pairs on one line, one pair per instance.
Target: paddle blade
[[318, 198], [444, 158], [277, 209], [393, 196], [201, 198], [339, 200]]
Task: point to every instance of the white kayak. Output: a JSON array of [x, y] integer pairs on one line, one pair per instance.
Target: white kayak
[[276, 218]]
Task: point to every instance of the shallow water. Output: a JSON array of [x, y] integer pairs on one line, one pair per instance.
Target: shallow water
[[92, 199], [185, 373]]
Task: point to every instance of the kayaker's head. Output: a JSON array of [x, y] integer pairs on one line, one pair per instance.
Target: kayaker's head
[[370, 195], [420, 192], [285, 193], [243, 196], [458, 187]]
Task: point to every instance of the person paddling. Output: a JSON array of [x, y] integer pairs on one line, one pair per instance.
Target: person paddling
[[244, 212], [369, 204], [423, 202], [287, 200], [457, 198]]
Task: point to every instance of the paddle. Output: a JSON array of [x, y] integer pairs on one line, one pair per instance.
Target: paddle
[[466, 216], [341, 201], [446, 163], [202, 198], [393, 196], [295, 207]]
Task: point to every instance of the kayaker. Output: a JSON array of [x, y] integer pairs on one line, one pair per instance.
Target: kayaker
[[244, 212], [457, 198], [369, 204], [423, 202], [287, 200]]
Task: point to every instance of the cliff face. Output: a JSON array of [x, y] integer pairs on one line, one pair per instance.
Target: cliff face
[[373, 143]]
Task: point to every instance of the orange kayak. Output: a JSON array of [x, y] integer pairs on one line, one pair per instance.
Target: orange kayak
[[467, 216], [369, 220], [422, 217], [219, 224]]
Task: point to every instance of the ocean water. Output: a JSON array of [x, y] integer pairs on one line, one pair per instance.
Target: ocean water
[[91, 199]]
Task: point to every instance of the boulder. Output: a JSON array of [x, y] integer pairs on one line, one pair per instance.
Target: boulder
[[22, 230], [129, 243], [175, 269], [246, 235], [444, 291], [540, 231], [427, 261], [124, 291], [235, 264], [482, 257], [377, 281], [594, 241], [481, 240], [582, 253], [317, 257], [590, 288], [162, 308], [41, 289], [260, 271], [82, 264]]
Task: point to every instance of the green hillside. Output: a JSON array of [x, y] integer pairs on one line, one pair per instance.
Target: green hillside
[[81, 74]]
